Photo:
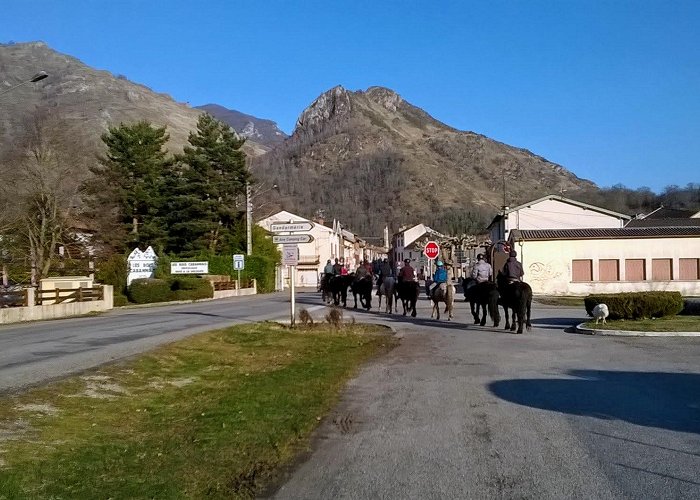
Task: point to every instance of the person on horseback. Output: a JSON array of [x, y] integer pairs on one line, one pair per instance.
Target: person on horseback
[[439, 276], [384, 272], [329, 268], [407, 273], [337, 267], [513, 270], [482, 270]]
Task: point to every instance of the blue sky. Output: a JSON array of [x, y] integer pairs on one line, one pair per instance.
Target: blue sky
[[608, 89]]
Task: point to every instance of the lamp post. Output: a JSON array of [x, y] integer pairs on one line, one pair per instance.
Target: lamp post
[[38, 77]]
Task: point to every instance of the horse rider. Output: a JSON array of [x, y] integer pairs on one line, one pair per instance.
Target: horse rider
[[439, 276], [337, 267], [513, 270], [482, 270], [407, 273], [385, 271]]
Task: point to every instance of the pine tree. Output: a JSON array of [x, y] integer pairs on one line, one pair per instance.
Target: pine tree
[[203, 190], [127, 186]]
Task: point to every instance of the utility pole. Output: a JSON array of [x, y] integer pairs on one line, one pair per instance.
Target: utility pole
[[248, 220]]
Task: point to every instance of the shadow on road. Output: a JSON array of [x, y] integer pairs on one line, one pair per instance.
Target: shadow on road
[[651, 399]]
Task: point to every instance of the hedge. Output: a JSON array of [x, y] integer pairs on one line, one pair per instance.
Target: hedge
[[149, 290], [637, 305], [188, 288]]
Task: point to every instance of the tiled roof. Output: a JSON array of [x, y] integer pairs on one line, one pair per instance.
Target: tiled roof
[[670, 222], [607, 233]]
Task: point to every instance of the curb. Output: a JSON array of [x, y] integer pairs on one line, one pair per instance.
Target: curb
[[629, 333]]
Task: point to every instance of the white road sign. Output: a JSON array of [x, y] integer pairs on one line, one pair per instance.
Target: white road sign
[[290, 255], [189, 268], [291, 227], [292, 238], [238, 262]]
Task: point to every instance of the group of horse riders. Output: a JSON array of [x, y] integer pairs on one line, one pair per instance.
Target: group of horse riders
[[481, 272]]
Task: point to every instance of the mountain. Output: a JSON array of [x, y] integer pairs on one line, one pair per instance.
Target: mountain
[[369, 158], [85, 101], [262, 131]]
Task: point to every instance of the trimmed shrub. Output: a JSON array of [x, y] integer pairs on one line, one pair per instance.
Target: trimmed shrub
[[149, 290], [637, 305], [188, 288], [120, 300]]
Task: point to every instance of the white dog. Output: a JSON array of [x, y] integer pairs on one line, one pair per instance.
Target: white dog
[[600, 311]]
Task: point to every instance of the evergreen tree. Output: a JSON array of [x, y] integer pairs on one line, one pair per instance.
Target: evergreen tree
[[127, 185], [203, 189]]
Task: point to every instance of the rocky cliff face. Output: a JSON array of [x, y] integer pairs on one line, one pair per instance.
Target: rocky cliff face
[[259, 130], [370, 158]]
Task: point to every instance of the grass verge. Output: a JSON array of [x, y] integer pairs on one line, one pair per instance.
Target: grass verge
[[667, 324], [212, 416], [559, 301]]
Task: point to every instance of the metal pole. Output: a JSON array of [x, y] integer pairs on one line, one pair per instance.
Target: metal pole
[[292, 279], [248, 220]]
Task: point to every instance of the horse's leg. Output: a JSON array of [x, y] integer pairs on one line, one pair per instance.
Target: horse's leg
[[513, 318], [528, 325], [354, 295], [475, 311], [482, 308], [507, 316]]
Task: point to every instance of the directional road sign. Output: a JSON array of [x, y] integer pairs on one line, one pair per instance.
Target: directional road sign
[[431, 250], [292, 238], [291, 227]]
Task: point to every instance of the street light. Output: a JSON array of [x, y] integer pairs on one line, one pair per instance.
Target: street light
[[38, 77]]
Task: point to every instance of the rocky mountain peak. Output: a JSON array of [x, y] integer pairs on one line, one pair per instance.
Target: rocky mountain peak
[[385, 97], [329, 105]]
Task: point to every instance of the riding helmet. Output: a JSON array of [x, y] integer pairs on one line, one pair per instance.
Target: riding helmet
[[439, 263]]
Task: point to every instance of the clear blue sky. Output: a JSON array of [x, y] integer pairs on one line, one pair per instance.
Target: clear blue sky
[[609, 89]]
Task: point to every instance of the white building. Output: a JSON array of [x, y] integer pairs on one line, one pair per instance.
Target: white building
[[573, 258], [553, 212]]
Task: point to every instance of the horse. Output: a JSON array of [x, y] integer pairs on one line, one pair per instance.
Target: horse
[[516, 296], [325, 289], [388, 289], [482, 296], [444, 292], [339, 288], [363, 288], [408, 291]]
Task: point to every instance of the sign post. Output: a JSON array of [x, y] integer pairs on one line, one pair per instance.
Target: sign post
[[431, 251], [239, 265], [290, 257]]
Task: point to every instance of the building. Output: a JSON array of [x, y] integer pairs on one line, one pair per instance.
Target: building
[[649, 253], [553, 212]]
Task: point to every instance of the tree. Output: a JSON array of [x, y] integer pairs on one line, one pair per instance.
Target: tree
[[125, 193], [203, 190], [44, 197]]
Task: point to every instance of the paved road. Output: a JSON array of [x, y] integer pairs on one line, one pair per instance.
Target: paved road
[[35, 352], [480, 413], [456, 411]]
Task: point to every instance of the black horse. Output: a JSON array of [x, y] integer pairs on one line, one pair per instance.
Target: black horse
[[516, 296], [408, 291], [338, 286], [482, 297], [325, 288], [363, 287]]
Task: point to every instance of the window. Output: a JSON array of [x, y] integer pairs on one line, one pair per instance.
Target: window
[[609, 270], [635, 270], [661, 269], [582, 270], [688, 269]]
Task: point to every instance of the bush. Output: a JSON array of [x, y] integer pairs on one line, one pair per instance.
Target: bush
[[188, 288], [113, 271], [120, 300], [150, 290], [637, 305]]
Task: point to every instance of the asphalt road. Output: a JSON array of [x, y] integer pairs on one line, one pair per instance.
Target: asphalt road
[[455, 411]]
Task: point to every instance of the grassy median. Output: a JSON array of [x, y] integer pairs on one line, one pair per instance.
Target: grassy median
[[212, 416], [665, 324]]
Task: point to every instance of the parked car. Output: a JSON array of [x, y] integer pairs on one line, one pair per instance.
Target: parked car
[[11, 296]]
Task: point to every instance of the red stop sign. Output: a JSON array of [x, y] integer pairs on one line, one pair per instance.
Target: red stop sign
[[431, 250]]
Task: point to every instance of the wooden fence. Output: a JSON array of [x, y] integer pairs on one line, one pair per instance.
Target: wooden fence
[[231, 285], [60, 295]]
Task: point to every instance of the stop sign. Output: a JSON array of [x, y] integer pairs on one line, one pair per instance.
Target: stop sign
[[431, 250]]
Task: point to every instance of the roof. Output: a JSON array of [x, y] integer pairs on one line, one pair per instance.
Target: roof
[[562, 199], [668, 213], [605, 233], [665, 222]]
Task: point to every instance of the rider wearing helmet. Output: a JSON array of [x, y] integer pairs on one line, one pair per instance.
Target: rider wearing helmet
[[482, 270], [440, 274], [384, 272]]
